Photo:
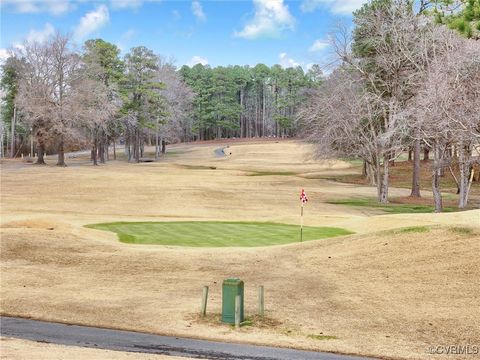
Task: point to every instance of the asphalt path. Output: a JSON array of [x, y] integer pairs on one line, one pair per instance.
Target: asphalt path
[[129, 341], [220, 152]]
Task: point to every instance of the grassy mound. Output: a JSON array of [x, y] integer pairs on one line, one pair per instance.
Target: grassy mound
[[215, 233]]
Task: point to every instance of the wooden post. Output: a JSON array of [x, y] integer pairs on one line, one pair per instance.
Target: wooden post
[[261, 301], [237, 312], [203, 310]]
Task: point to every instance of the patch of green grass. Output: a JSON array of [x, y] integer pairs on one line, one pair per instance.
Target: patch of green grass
[[461, 230], [353, 161], [215, 233], [322, 337], [247, 323], [390, 208], [413, 229], [197, 167], [272, 173]]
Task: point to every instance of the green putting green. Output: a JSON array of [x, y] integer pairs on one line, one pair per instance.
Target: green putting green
[[215, 233]]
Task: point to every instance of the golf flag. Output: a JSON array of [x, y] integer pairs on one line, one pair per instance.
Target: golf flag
[[303, 200], [303, 197]]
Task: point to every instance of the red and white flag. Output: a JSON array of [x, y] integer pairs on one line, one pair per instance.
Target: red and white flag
[[303, 197]]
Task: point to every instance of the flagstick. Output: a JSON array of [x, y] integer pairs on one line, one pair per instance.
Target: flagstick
[[301, 224]]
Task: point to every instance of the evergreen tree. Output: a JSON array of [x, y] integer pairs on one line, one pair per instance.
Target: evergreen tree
[[141, 101]]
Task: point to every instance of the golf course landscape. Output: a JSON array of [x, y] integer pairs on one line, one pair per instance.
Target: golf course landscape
[[130, 246]]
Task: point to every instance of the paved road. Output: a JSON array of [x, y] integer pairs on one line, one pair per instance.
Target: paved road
[[220, 152], [129, 341]]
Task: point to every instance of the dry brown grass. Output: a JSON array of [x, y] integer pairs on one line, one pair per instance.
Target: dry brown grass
[[387, 294]]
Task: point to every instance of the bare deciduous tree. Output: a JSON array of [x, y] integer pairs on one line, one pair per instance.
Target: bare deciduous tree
[[342, 119], [175, 124], [448, 106], [47, 93]]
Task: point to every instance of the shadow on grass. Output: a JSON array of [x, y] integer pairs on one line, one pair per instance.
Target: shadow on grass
[[390, 208], [271, 173], [254, 321]]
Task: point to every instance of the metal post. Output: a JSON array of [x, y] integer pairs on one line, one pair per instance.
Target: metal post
[[261, 301], [237, 312], [203, 310]]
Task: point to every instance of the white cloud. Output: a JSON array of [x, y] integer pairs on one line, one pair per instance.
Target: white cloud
[[271, 18], [287, 62], [198, 60], [124, 4], [26, 6], [54, 7], [91, 22], [59, 7], [344, 7], [41, 35], [318, 45], [198, 11]]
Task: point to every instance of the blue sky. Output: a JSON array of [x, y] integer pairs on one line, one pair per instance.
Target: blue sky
[[244, 32]]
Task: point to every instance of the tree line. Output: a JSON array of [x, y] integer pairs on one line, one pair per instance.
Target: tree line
[[405, 82], [60, 98], [244, 101]]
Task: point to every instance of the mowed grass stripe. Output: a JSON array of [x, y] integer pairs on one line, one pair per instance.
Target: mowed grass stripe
[[215, 233]]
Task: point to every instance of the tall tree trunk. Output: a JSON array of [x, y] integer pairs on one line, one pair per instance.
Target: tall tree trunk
[[391, 158], [164, 146], [41, 152], [114, 149], [378, 176], [12, 141], [426, 152], [263, 110], [2, 135], [437, 195], [256, 114], [157, 148], [464, 167], [384, 179], [242, 128], [416, 168], [370, 172], [61, 152], [94, 149], [137, 145], [128, 149], [277, 125], [101, 149]]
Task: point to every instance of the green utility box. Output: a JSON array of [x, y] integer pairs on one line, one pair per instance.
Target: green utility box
[[230, 289]]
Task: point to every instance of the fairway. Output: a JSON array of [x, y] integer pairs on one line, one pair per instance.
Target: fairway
[[194, 219], [215, 233]]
